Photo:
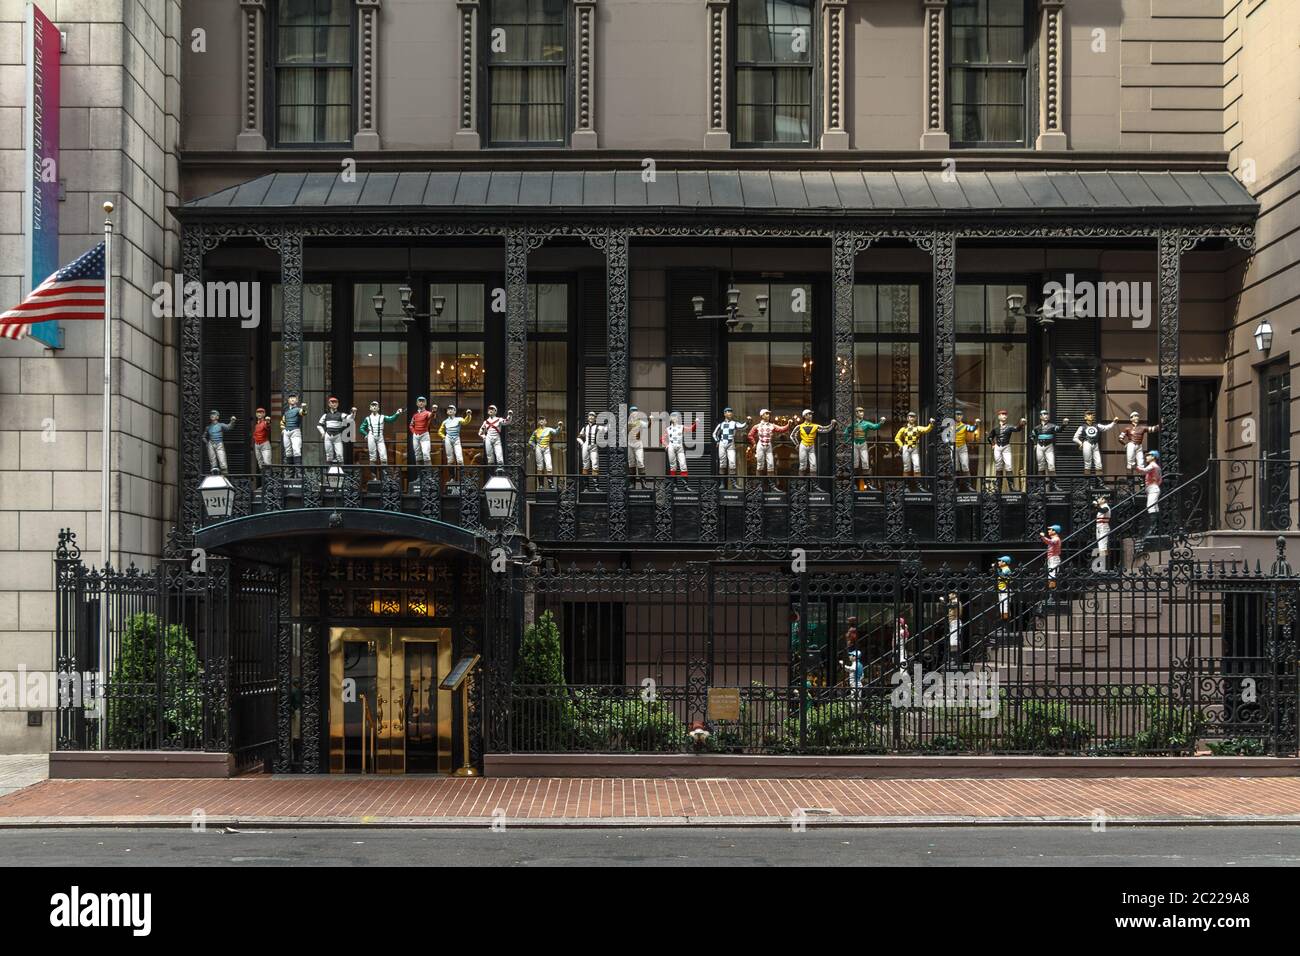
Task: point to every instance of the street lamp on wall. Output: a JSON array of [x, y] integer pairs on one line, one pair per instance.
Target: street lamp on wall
[[409, 315], [733, 317], [1263, 336], [501, 495], [218, 495]]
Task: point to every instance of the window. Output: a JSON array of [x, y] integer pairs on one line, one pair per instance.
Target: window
[[457, 370], [548, 364], [313, 72], [317, 328], [887, 362], [989, 46], [769, 358], [774, 72], [380, 366], [992, 362], [527, 66]]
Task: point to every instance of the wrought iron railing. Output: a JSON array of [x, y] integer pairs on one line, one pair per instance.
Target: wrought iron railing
[[1157, 659]]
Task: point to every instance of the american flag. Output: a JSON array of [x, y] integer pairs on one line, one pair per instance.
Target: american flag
[[74, 292]]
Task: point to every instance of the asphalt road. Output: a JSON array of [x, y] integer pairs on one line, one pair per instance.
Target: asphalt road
[[818, 846]]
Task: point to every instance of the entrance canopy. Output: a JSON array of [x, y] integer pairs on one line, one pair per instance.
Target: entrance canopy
[[914, 194]]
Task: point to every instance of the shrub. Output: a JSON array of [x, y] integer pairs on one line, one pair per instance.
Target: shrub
[[1239, 747], [1038, 726], [134, 720]]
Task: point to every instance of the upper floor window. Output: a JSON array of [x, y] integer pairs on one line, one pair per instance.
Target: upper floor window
[[988, 85], [527, 65], [313, 72], [774, 72]]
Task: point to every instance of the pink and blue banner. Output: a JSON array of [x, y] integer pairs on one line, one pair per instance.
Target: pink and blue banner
[[42, 213]]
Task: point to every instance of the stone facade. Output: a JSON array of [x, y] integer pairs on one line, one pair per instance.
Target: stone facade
[[119, 128]]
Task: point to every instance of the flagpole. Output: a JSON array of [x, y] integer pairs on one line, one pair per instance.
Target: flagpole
[[105, 525]]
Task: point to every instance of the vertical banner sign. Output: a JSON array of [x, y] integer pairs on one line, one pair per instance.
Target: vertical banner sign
[[42, 213]]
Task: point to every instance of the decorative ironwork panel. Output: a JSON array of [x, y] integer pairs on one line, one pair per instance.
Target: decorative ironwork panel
[[709, 511], [518, 243], [352, 488], [895, 516], [430, 494], [469, 500], [567, 529], [753, 512], [311, 487], [273, 489], [845, 247], [1036, 511], [311, 700], [798, 522], [1171, 245], [663, 511], [390, 490], [193, 242], [942, 247], [291, 278], [284, 674]]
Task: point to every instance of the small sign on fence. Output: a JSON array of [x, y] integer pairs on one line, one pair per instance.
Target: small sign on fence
[[724, 703]]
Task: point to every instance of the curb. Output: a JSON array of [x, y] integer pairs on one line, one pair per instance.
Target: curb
[[812, 820]]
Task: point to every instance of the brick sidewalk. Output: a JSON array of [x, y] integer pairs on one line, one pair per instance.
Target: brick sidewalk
[[604, 801]]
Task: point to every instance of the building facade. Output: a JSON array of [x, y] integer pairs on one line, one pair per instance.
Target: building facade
[[645, 209]]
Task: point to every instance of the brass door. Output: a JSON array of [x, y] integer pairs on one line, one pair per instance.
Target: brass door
[[386, 712]]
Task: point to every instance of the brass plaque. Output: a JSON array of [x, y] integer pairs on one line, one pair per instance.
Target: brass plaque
[[724, 703]]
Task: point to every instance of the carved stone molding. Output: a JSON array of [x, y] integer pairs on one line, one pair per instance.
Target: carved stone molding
[[1051, 94], [834, 54], [251, 135], [584, 75], [367, 135], [718, 135], [935, 77], [467, 136]]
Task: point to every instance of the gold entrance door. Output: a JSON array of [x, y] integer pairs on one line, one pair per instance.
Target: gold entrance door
[[387, 714]]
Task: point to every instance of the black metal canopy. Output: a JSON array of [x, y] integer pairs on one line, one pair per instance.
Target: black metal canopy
[[931, 194]]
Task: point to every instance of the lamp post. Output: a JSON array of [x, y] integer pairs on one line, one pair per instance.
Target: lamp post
[[732, 316]]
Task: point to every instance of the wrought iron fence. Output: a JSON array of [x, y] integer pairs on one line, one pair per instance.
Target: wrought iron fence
[[189, 655], [860, 656]]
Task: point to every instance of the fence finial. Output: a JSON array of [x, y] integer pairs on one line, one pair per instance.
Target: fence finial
[[1281, 568], [67, 549]]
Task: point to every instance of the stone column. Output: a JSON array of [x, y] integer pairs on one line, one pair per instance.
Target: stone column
[[1051, 56], [467, 136], [936, 75], [718, 135], [584, 75], [251, 135], [835, 133], [367, 135]]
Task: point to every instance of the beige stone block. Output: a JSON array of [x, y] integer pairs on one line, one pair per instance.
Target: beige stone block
[[17, 738], [24, 490], [77, 490], [106, 43], [31, 648], [9, 451], [66, 452], [26, 572], [36, 608], [39, 530], [25, 411], [89, 11], [11, 42], [60, 375], [8, 599]]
